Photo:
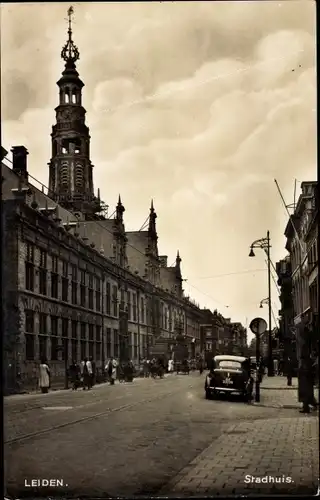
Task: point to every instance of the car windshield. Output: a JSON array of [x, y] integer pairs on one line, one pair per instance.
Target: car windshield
[[236, 365]]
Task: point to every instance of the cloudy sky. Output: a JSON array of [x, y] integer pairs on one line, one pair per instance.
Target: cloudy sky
[[196, 105]]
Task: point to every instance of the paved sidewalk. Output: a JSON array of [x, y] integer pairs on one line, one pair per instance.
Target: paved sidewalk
[[274, 393], [278, 383], [286, 449]]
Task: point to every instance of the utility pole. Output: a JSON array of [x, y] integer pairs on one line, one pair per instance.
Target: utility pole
[[270, 360]]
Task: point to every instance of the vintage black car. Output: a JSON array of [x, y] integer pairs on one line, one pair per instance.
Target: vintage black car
[[229, 375]]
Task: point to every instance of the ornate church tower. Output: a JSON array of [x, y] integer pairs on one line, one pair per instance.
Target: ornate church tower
[[70, 168]]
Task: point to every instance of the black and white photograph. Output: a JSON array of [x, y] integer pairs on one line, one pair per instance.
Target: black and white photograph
[[159, 249]]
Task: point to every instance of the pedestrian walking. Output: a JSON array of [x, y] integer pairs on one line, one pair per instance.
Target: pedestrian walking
[[74, 373], [170, 366], [44, 376], [111, 369], [94, 372], [86, 372]]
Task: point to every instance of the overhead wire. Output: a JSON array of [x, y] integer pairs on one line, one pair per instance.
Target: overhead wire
[[142, 253]]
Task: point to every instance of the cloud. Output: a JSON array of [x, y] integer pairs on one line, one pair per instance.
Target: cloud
[[198, 105]]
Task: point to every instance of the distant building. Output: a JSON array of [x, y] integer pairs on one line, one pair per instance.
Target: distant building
[[301, 233], [220, 336], [75, 283], [286, 313]]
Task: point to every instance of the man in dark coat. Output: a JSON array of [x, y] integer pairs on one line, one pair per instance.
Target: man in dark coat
[[306, 383], [74, 373]]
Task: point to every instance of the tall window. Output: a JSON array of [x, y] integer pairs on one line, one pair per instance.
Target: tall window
[[135, 345], [142, 310], [90, 291], [91, 340], [98, 294], [129, 305], [108, 343], [83, 288], [83, 340], [98, 343], [122, 302], [43, 335], [29, 316], [108, 298], [65, 328], [65, 338], [65, 281], [42, 324], [29, 336], [30, 344], [54, 277], [74, 285], [54, 337], [161, 315], [115, 300], [116, 343], [43, 273], [74, 340], [54, 325], [134, 307], [130, 345], [29, 267]]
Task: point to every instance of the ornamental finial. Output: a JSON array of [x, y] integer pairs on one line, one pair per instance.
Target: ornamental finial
[[70, 52]]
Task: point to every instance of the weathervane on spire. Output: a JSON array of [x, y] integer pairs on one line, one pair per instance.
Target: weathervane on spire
[[70, 52]]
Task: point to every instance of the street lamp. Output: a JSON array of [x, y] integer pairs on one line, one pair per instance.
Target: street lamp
[[264, 243]]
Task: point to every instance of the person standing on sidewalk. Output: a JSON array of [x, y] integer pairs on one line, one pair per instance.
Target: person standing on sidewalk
[[93, 374], [86, 372], [306, 383], [111, 369], [74, 372], [289, 372], [44, 376]]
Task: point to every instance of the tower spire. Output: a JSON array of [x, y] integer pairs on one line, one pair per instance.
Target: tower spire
[[152, 221], [70, 52], [178, 266], [70, 168], [120, 210]]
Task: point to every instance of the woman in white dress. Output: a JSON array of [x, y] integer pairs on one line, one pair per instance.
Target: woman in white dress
[[44, 376]]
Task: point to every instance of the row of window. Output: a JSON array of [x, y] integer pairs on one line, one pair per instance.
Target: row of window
[[53, 348], [50, 348], [94, 331], [87, 292]]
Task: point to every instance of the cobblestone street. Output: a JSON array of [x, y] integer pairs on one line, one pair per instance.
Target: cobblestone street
[[155, 437]]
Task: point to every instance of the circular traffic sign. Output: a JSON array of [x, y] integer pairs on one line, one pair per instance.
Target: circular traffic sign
[[258, 326]]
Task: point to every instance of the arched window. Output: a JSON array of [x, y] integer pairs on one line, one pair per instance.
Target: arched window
[[74, 98], [66, 96]]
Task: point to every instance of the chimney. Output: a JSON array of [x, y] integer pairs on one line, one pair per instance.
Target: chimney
[[163, 260], [19, 157]]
